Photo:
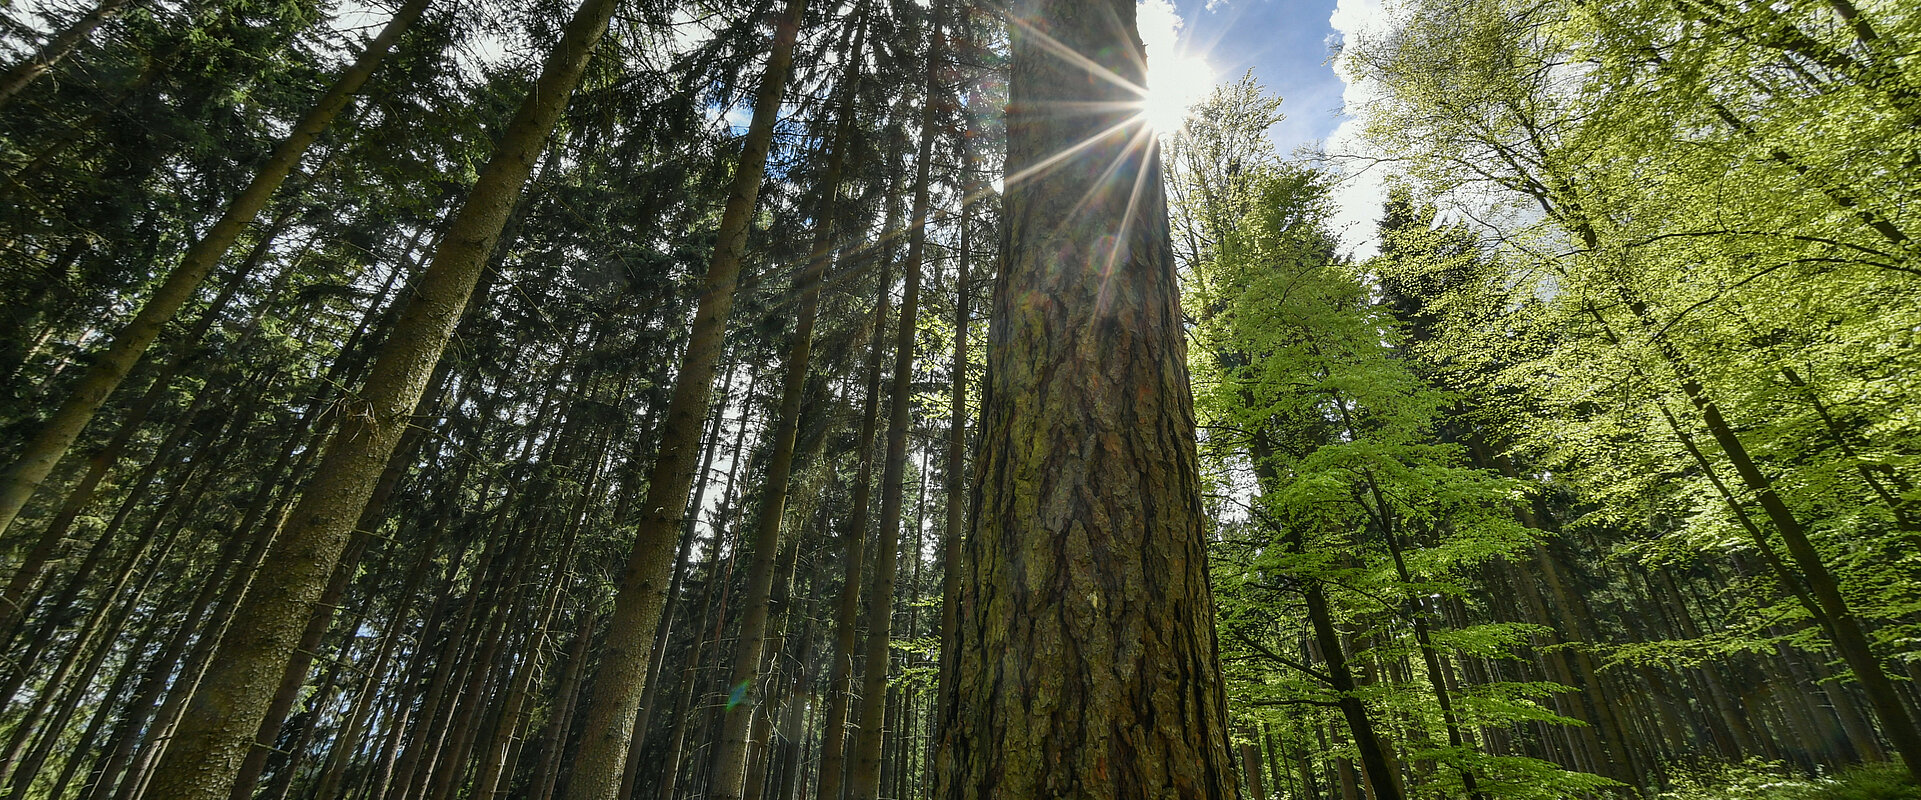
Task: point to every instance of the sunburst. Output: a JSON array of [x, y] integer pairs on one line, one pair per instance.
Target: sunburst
[[1176, 82]]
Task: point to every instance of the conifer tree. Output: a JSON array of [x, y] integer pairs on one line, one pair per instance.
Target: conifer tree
[[1087, 662]]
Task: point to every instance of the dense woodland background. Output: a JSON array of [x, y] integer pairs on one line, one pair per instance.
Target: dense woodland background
[[1599, 480]]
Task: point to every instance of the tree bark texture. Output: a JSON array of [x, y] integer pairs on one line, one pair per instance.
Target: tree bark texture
[[1087, 662]]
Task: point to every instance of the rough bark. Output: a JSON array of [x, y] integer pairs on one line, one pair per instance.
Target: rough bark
[[1087, 663]]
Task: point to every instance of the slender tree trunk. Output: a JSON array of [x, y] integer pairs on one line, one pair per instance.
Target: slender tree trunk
[[1901, 510], [864, 783], [1087, 663], [1843, 627], [55, 49], [615, 696], [554, 737], [353, 727], [37, 560], [833, 748], [1251, 768], [104, 712], [794, 715], [717, 577], [955, 463], [197, 660], [1430, 656], [731, 749], [89, 653], [50, 443], [201, 762], [650, 694]]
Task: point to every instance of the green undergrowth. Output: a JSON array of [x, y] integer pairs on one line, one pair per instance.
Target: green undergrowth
[[1762, 780]]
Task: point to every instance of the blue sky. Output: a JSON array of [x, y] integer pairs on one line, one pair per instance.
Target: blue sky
[[1285, 43]]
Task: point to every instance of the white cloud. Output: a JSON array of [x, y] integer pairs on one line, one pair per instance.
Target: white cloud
[[1160, 25], [1358, 197]]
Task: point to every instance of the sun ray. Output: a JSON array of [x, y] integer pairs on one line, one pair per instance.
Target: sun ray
[[1068, 54], [1070, 151]]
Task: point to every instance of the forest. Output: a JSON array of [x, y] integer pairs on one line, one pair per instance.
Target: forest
[[859, 399]]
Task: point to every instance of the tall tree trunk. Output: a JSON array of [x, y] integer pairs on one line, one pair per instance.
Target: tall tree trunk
[[51, 441], [1430, 656], [650, 694], [294, 678], [1087, 663], [553, 738], [615, 696], [1251, 768], [104, 712], [864, 782], [731, 750], [353, 726], [955, 463], [717, 576], [201, 762], [840, 676]]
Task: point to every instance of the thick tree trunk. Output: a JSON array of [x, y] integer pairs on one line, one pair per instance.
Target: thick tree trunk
[[295, 677], [201, 762], [615, 696], [1087, 664], [51, 441]]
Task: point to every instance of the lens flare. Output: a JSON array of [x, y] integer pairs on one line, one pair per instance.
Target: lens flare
[[1176, 82]]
